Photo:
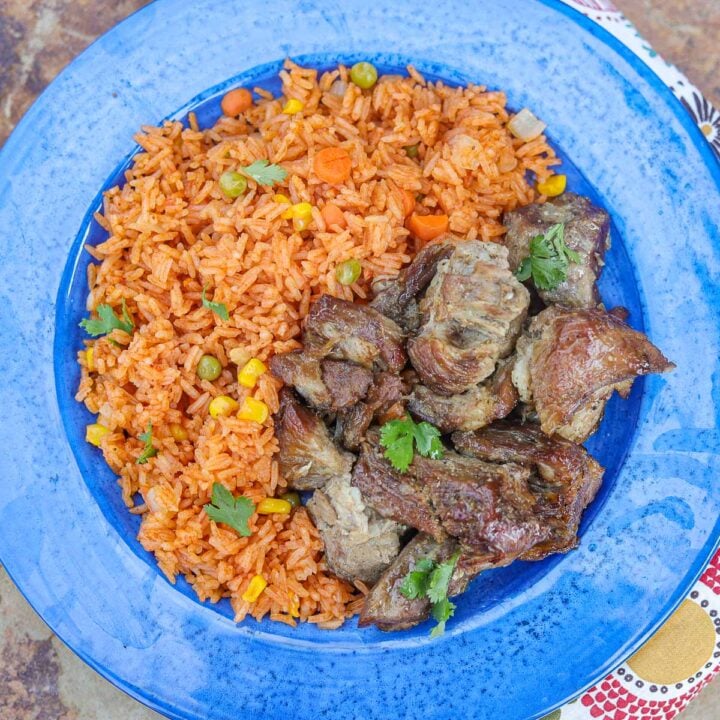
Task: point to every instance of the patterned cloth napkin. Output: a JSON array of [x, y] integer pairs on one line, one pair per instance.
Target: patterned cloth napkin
[[684, 655]]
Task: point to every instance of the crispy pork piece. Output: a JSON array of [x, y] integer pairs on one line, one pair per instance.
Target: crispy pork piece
[[586, 232], [488, 507], [346, 382], [307, 455], [472, 313], [392, 493], [359, 543], [341, 330], [565, 481], [385, 401], [397, 298], [328, 385], [569, 362], [385, 606], [473, 409]]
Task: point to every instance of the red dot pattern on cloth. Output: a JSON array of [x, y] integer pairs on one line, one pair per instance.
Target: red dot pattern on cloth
[[711, 576], [611, 701]]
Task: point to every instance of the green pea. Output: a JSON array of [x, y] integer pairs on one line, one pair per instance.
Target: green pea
[[412, 151], [292, 497], [348, 271], [232, 183], [209, 368], [364, 75]]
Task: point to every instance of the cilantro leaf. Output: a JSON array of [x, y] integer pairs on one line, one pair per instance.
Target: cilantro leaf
[[439, 580], [398, 437], [107, 321], [263, 173], [441, 611], [431, 580], [232, 511], [427, 440], [218, 308], [549, 259], [415, 583], [148, 451]]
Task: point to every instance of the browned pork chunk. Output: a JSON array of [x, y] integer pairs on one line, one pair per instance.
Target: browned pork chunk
[[397, 298], [569, 362], [586, 232], [394, 494], [488, 507], [473, 409], [472, 313], [307, 456], [359, 543], [566, 478], [385, 401], [385, 606], [342, 330]]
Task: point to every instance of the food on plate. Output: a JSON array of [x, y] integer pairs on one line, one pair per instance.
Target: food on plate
[[344, 343]]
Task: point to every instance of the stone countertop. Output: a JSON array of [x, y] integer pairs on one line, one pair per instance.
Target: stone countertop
[[40, 679]]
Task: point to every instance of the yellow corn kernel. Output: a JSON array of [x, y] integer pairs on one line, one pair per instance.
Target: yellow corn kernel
[[254, 589], [553, 186], [95, 433], [178, 432], [273, 506], [250, 372], [301, 215], [222, 405], [90, 359], [284, 200], [254, 410], [293, 106], [294, 610]]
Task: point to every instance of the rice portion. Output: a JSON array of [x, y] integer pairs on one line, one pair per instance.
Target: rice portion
[[172, 232]]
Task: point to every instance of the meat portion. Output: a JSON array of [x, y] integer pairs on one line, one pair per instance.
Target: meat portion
[[473, 409], [346, 382], [472, 313], [342, 330], [488, 507], [299, 369], [385, 606], [394, 494], [397, 298], [359, 544], [565, 477], [307, 456], [569, 363], [586, 232], [385, 401]]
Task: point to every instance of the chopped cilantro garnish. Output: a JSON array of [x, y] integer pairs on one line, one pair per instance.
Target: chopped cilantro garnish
[[431, 580], [148, 451], [218, 308], [549, 259], [398, 436], [107, 321], [263, 173], [235, 512]]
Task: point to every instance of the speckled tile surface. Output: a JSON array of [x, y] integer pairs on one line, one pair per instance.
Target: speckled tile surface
[[40, 679]]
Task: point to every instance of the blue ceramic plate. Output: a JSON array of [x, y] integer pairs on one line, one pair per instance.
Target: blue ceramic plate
[[525, 638]]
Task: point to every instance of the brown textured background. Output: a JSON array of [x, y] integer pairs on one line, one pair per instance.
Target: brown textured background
[[40, 679]]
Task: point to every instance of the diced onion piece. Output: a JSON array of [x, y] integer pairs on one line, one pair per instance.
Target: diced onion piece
[[338, 88], [525, 126]]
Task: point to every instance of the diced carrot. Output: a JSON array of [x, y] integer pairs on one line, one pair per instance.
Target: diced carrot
[[236, 101], [333, 215], [427, 227], [332, 165], [408, 198]]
